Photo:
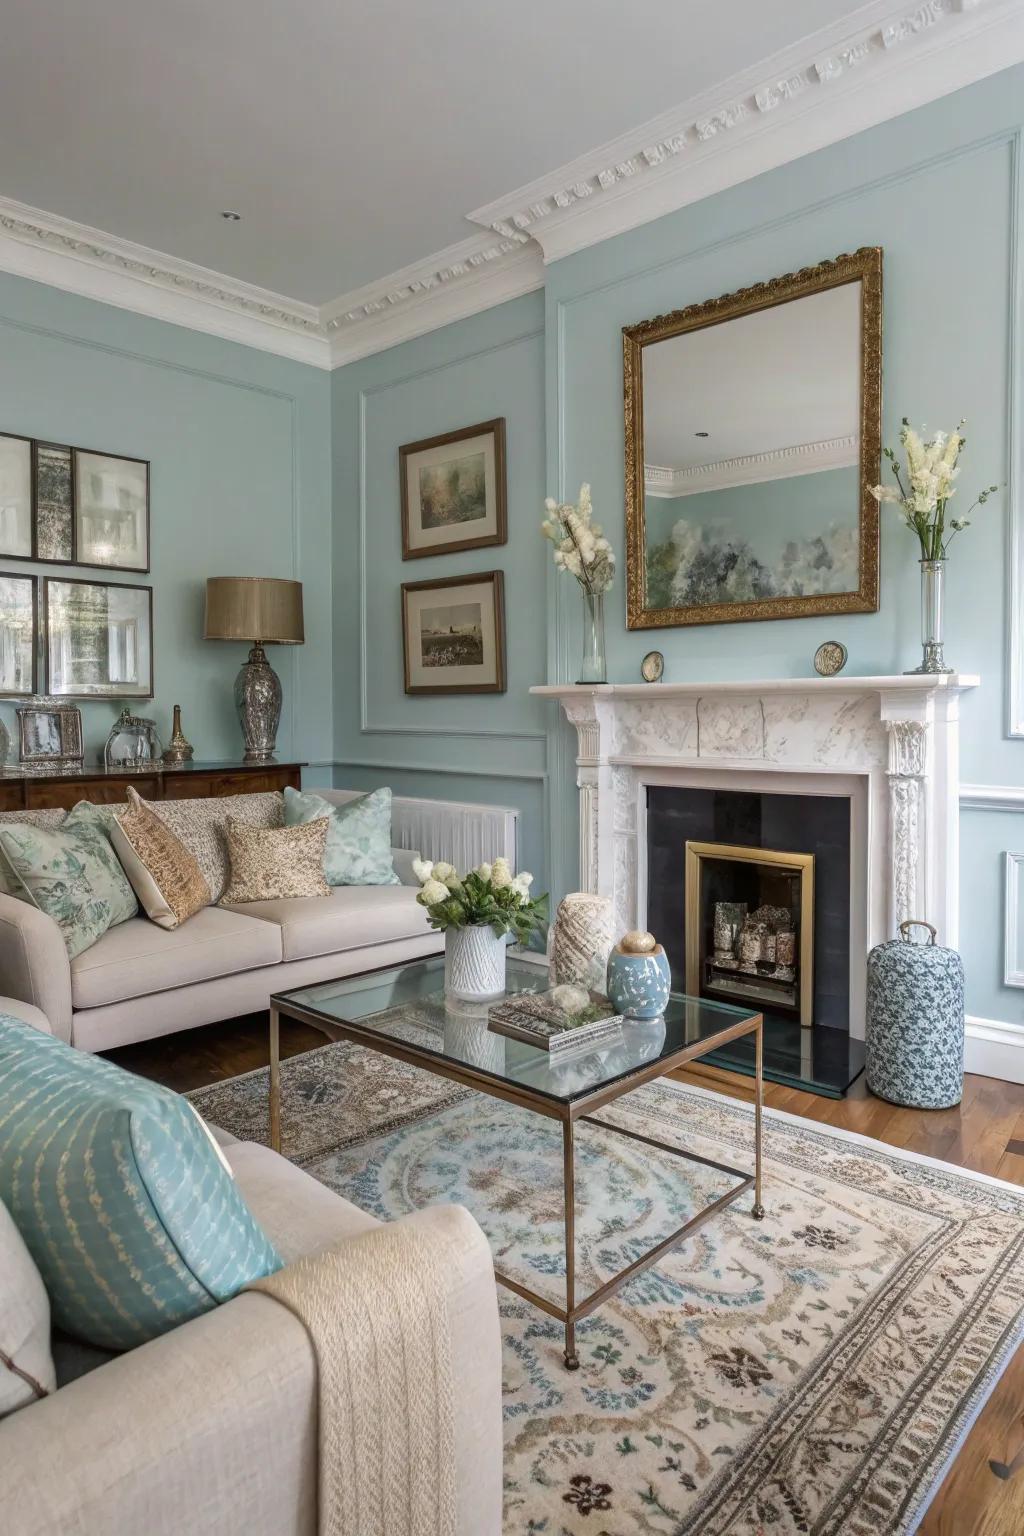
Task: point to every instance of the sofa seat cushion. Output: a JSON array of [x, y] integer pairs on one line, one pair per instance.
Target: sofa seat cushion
[[351, 917], [298, 1213], [137, 957], [26, 1364]]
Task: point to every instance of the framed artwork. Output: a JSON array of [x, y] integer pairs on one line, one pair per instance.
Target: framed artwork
[[54, 503], [453, 634], [453, 491], [50, 733], [111, 511], [18, 625], [99, 639], [15, 497]]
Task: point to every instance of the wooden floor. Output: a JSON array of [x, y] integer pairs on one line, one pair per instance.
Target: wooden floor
[[984, 1492]]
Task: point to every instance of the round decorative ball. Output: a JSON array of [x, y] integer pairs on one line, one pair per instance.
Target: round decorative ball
[[639, 979], [830, 658], [652, 668]]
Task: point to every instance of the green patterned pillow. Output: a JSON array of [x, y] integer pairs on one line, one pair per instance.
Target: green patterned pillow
[[70, 872], [121, 1198], [358, 850]]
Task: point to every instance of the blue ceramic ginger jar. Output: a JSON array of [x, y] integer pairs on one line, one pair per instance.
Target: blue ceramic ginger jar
[[639, 976]]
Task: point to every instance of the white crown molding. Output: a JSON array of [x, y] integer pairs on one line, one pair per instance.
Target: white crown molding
[[752, 468], [477, 273], [832, 84], [991, 797], [86, 261]]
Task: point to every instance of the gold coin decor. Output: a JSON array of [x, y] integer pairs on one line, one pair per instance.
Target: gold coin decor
[[830, 658], [652, 668]]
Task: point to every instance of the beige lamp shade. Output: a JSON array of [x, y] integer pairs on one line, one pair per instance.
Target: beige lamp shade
[[254, 608]]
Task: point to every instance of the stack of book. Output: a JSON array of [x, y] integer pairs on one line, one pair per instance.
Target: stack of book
[[534, 1018]]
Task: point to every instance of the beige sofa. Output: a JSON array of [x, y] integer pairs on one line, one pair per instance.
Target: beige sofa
[[212, 1429], [139, 981]]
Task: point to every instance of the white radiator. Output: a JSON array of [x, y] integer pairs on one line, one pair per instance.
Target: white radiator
[[461, 834]]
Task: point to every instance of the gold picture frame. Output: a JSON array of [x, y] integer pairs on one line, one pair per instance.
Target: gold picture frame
[[863, 266]]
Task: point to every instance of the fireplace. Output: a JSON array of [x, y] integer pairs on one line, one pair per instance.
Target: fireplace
[[750, 927]]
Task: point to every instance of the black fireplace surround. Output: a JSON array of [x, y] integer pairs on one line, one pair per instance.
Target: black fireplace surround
[[824, 1058]]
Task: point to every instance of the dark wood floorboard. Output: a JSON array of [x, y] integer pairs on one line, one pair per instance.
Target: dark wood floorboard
[[983, 1495]]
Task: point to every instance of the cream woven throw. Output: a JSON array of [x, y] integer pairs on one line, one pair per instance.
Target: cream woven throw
[[375, 1310]]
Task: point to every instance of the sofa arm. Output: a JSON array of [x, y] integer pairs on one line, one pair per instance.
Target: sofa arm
[[34, 965], [402, 859], [212, 1429]]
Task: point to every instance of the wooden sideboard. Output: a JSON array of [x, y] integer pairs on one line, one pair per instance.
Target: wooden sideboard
[[24, 791]]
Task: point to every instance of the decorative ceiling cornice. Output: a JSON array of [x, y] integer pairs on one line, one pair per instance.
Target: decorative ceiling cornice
[[828, 86], [661, 480], [832, 84]]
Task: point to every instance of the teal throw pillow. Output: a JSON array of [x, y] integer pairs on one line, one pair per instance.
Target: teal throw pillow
[[133, 1221], [70, 872], [358, 849]]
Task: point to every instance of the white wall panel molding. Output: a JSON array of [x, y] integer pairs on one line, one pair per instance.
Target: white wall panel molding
[[826, 87], [991, 797], [995, 1048], [1013, 933]]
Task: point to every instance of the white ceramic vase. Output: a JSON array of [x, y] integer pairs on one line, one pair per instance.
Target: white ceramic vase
[[582, 941], [474, 963]]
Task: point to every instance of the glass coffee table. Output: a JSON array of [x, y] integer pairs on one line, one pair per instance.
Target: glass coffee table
[[384, 1011]]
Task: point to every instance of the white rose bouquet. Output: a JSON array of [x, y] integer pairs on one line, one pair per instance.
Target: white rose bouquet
[[489, 895], [580, 545], [923, 497]]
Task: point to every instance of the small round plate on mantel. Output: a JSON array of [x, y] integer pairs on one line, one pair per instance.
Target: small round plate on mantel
[[652, 668], [830, 658]]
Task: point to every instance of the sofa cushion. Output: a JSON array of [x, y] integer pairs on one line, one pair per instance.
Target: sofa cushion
[[164, 874], [71, 873], [351, 917], [138, 957], [275, 863], [129, 1215], [202, 827], [358, 849], [298, 1213], [26, 1364]]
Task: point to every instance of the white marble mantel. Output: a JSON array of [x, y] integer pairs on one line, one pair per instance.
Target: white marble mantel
[[889, 743]]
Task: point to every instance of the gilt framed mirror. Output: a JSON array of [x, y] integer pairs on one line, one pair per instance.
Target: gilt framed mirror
[[753, 431]]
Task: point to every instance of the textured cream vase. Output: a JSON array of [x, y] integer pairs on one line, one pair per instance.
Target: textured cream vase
[[582, 941], [474, 963]]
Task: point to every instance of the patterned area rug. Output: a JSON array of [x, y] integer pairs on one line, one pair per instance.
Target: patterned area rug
[[811, 1373]]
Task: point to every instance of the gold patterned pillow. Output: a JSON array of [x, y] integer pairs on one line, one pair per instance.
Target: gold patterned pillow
[[164, 875], [276, 863]]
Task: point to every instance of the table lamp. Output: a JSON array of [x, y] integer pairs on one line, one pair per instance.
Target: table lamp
[[261, 610]]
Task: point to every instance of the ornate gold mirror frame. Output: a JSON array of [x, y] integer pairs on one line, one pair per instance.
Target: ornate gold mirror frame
[[863, 266]]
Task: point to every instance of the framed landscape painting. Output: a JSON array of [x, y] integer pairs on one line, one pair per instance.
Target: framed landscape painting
[[453, 491], [453, 633]]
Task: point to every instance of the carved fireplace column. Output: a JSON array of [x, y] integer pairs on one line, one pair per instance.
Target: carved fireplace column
[[582, 713], [909, 728]]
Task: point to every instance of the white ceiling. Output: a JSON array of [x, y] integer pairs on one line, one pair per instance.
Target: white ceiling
[[352, 135], [774, 379]]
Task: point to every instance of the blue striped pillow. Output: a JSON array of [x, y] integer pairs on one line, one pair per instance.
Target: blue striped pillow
[[123, 1203]]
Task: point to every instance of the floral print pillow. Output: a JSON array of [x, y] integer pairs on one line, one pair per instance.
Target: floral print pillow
[[69, 872], [358, 849]]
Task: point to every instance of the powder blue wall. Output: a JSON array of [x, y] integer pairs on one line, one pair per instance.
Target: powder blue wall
[[479, 747], [239, 443], [939, 190]]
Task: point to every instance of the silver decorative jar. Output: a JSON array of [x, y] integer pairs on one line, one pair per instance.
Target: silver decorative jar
[[258, 701], [581, 941], [474, 963], [933, 616]]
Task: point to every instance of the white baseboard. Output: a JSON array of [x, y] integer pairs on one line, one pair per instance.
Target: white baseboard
[[995, 1048]]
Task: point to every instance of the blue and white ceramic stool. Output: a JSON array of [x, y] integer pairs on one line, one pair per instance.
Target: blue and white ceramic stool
[[639, 976], [915, 1023]]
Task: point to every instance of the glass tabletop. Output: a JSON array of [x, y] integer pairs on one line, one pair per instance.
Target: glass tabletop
[[406, 1004]]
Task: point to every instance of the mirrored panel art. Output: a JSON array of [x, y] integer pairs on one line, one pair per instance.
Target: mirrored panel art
[[752, 435], [99, 640]]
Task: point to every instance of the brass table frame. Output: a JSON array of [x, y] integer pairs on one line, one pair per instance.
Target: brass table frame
[[568, 1113]]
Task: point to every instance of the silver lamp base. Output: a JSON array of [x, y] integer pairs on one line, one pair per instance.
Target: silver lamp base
[[258, 701]]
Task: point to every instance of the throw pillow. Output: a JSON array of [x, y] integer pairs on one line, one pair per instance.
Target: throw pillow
[[132, 1222], [26, 1364], [358, 850], [164, 875], [70, 872], [277, 863], [202, 826]]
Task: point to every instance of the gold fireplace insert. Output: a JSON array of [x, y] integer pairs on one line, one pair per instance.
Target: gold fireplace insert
[[750, 927]]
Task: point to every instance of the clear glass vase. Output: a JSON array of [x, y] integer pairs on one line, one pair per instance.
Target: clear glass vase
[[594, 668], [933, 579]]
